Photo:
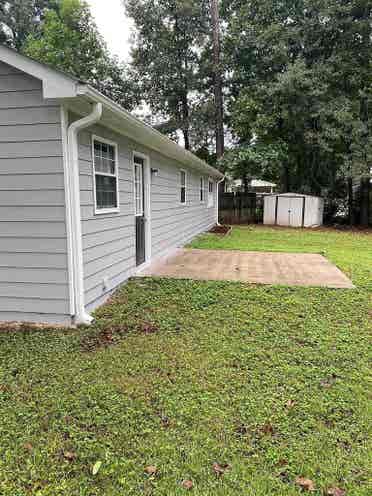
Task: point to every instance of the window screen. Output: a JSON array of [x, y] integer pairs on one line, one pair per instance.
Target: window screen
[[105, 175], [202, 189], [182, 186], [138, 185]]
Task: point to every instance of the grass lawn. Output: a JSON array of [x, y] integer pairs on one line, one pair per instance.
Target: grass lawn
[[270, 383]]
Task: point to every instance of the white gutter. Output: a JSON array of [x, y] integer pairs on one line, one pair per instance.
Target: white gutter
[[218, 199], [81, 316], [139, 128]]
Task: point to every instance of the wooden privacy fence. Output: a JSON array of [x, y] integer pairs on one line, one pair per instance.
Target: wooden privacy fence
[[240, 208]]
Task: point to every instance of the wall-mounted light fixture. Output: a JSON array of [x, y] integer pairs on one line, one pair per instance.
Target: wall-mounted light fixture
[[154, 172]]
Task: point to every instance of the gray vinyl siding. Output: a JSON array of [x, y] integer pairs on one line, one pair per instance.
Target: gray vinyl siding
[[109, 239], [33, 245], [172, 223]]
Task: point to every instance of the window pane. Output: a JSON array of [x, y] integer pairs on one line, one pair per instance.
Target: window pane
[[183, 178], [104, 158], [106, 194], [138, 188], [138, 160], [201, 189], [183, 194]]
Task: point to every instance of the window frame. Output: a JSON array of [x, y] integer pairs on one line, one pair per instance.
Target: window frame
[[202, 189], [111, 210], [145, 159], [211, 193], [180, 186]]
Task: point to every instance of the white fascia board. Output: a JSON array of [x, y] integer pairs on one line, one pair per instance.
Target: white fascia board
[[56, 84], [148, 136]]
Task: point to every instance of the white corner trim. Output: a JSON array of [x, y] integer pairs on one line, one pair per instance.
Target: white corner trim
[[80, 315], [218, 199], [67, 180]]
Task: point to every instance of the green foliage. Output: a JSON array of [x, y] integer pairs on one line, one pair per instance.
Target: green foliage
[[68, 39], [166, 58], [301, 74], [211, 384], [256, 160], [18, 18]]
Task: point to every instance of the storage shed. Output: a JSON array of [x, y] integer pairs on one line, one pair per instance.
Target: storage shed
[[88, 194], [293, 210]]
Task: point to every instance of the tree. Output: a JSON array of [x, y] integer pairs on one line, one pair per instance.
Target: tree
[[166, 56], [217, 79], [69, 40], [18, 18], [254, 160], [301, 75]]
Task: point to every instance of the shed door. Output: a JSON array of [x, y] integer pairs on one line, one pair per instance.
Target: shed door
[[290, 211]]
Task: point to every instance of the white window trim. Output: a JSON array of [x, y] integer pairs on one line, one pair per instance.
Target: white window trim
[[211, 195], [142, 213], [202, 178], [146, 170], [102, 211], [185, 202]]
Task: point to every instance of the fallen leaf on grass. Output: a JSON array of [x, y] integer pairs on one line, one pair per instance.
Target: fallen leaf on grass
[[336, 491], [151, 470], [267, 429], [148, 328], [327, 383], [220, 469], [28, 446], [305, 484], [290, 404], [187, 484], [69, 455], [96, 467]]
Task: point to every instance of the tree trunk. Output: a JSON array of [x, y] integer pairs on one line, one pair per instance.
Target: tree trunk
[[183, 95], [186, 138], [218, 96]]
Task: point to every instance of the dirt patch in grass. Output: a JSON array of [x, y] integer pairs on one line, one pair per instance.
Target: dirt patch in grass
[[104, 338], [112, 335], [222, 230]]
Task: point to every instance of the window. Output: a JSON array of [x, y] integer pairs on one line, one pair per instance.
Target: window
[[182, 187], [138, 185], [210, 193], [105, 169], [202, 193]]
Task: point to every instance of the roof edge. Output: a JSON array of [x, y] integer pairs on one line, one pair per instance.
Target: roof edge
[[166, 145], [58, 85]]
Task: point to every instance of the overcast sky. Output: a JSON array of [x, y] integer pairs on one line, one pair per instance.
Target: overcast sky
[[114, 26]]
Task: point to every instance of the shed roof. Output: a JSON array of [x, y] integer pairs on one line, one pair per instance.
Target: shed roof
[[79, 97], [301, 195]]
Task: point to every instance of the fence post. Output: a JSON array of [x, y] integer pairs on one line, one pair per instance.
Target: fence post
[[350, 196], [364, 201]]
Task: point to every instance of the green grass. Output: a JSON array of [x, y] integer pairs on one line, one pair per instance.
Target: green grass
[[182, 374]]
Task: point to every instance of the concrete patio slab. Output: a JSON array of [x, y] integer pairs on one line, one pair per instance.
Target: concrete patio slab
[[288, 269]]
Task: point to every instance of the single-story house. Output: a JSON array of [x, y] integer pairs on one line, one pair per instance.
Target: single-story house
[[254, 186], [88, 194]]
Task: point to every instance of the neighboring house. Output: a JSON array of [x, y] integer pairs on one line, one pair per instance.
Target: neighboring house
[[255, 186], [88, 194]]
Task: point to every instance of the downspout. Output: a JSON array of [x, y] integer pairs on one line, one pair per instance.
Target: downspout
[[81, 316], [218, 199]]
